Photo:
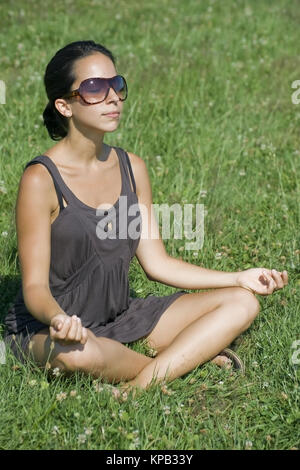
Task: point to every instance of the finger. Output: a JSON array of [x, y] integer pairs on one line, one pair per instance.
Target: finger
[[272, 285], [84, 335], [79, 330], [278, 279], [62, 333], [57, 324], [72, 333], [285, 277]]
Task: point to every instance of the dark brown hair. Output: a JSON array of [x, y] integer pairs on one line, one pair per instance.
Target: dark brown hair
[[58, 80]]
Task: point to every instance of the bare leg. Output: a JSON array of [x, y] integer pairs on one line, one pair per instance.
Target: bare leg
[[193, 330], [200, 341], [99, 357]]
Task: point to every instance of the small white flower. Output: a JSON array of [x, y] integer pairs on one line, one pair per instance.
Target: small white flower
[[32, 383], [158, 158], [81, 438], [248, 444], [55, 430], [242, 173], [4, 234], [98, 386], [88, 431], [203, 193], [2, 187], [61, 396], [218, 255], [56, 371]]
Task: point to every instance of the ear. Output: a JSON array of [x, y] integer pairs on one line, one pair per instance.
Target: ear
[[63, 107]]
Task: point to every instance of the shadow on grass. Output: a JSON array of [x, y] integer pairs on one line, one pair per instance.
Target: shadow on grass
[[9, 286]]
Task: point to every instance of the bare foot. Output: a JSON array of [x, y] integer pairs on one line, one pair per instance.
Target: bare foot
[[222, 361]]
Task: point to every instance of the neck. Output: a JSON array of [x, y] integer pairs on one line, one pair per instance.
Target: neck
[[85, 150]]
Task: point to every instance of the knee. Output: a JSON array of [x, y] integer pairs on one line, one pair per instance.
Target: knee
[[81, 358], [249, 305]]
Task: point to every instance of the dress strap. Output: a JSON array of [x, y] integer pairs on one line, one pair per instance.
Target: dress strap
[[57, 188], [130, 171]]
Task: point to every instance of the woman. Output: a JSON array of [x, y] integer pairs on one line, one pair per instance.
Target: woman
[[74, 310]]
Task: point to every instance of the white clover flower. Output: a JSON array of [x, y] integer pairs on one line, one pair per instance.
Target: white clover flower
[[61, 396], [32, 383], [56, 371], [4, 234], [2, 187], [88, 431], [248, 444], [55, 430], [81, 438]]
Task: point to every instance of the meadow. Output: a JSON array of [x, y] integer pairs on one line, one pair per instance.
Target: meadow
[[211, 111]]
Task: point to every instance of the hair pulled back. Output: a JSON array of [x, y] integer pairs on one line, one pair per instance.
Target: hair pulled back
[[59, 78]]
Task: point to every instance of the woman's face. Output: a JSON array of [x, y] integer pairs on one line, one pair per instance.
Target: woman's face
[[93, 117]]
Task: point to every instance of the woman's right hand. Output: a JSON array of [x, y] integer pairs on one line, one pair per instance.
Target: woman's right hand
[[67, 330]]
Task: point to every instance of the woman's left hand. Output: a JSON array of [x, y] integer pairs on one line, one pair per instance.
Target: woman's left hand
[[262, 281]]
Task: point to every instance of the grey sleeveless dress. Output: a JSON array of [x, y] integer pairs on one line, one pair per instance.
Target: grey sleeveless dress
[[91, 251]]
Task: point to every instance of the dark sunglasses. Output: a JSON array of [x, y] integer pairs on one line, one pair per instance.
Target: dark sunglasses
[[95, 90]]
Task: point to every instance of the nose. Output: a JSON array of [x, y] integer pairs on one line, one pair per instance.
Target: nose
[[112, 95]]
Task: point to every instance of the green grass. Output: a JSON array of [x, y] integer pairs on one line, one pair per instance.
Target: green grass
[[209, 93]]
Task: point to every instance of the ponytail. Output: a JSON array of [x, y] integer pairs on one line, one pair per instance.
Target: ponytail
[[55, 122]]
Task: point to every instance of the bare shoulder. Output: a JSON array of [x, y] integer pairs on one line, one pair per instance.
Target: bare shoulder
[[136, 161], [36, 181], [140, 172]]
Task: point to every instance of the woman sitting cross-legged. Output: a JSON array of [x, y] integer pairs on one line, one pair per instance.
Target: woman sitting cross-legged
[[75, 242]]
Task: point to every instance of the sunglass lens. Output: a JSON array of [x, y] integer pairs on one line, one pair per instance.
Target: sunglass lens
[[120, 87], [93, 90]]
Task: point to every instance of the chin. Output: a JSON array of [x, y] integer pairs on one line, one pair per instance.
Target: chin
[[110, 128]]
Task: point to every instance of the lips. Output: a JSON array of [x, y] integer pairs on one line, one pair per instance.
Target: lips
[[112, 114]]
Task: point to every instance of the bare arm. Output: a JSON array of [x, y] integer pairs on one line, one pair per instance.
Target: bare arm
[[33, 221], [35, 202], [159, 266]]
